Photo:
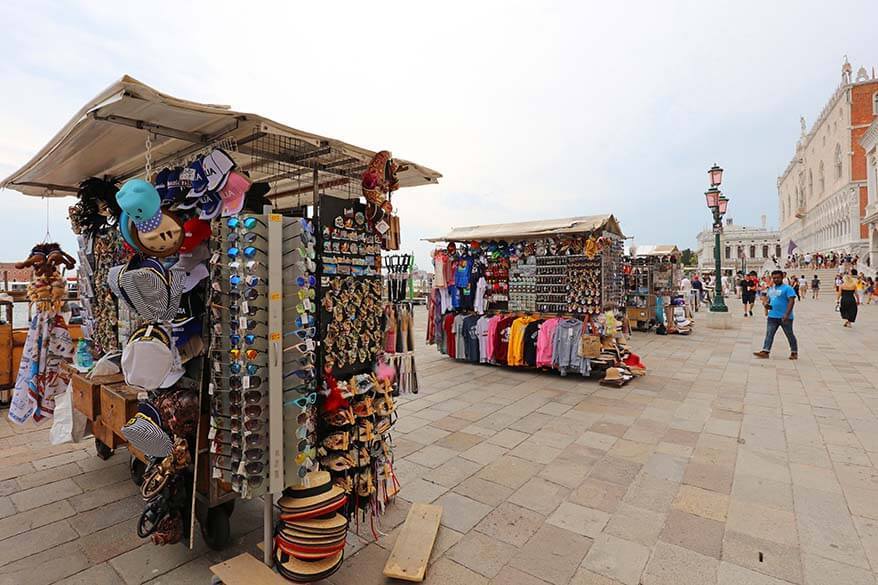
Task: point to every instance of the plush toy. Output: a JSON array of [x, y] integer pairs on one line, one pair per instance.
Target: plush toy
[[47, 289], [379, 180]]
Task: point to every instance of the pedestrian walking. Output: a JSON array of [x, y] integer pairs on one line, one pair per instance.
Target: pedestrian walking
[[815, 287], [847, 299], [779, 302], [870, 290], [803, 287], [794, 282], [697, 292], [749, 285]]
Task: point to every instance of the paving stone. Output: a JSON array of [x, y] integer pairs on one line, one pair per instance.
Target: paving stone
[[665, 467], [616, 558], [651, 493], [366, 567], [539, 495], [192, 572], [447, 572], [615, 470], [826, 528], [45, 567], [567, 551], [579, 519], [103, 477], [110, 542], [636, 524], [24, 521], [586, 577], [704, 503], [674, 450], [484, 453], [99, 518], [510, 471], [674, 565], [459, 441], [93, 463], [596, 440], [16, 470], [483, 491], [45, 494], [862, 502], [461, 513], [631, 450], [408, 471], [481, 553], [693, 532], [60, 459], [38, 478], [96, 575], [599, 495], [424, 434], [554, 408], [452, 472], [510, 523], [35, 541], [763, 556], [508, 438], [763, 463], [422, 491], [732, 574], [820, 571], [867, 529], [767, 493], [149, 561], [536, 453], [102, 497], [6, 507], [709, 476], [451, 423], [814, 477], [760, 522], [510, 576], [432, 456]]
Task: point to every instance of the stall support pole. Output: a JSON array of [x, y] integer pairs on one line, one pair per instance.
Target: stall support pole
[[275, 378]]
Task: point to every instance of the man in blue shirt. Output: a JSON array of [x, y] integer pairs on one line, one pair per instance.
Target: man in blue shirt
[[779, 301]]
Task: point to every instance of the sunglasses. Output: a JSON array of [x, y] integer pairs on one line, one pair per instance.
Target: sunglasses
[[302, 333], [249, 339], [246, 222], [306, 293], [247, 324], [252, 454], [305, 454], [237, 368], [303, 264], [306, 360], [251, 425], [305, 321], [251, 281], [249, 397], [303, 402], [246, 237], [250, 353], [248, 252], [302, 348], [251, 410], [310, 280], [253, 481]]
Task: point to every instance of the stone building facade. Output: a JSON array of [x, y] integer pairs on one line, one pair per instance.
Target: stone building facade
[[822, 193], [753, 248], [869, 142]]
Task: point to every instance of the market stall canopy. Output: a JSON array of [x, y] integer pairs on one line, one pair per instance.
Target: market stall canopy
[[655, 250], [533, 229], [107, 138]]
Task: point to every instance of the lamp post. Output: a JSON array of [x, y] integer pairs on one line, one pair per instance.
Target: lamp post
[[718, 204]]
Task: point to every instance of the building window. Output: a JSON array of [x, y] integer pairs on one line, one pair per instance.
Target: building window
[[777, 251], [728, 252], [821, 179], [752, 251], [875, 103], [838, 161], [811, 186], [765, 251]]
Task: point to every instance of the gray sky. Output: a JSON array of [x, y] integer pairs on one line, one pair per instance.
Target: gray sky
[[530, 109]]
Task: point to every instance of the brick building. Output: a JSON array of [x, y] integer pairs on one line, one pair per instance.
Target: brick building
[[9, 273], [822, 193]]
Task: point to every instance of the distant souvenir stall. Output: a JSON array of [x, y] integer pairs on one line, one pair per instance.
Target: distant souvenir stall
[[539, 294], [652, 274]]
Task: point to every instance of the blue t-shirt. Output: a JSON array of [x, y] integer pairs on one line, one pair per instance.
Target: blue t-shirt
[[780, 296], [462, 272]]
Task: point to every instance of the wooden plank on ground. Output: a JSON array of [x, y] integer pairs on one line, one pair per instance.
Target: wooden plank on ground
[[410, 555], [245, 569]]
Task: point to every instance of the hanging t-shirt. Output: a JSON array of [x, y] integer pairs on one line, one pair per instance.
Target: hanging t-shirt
[[515, 356], [482, 331], [459, 342], [467, 297], [439, 261], [531, 336], [455, 297], [501, 340], [546, 343], [448, 326], [471, 338], [479, 301], [462, 272], [566, 351], [491, 343]]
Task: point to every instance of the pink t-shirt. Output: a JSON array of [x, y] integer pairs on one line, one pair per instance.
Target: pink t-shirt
[[545, 342], [492, 334]]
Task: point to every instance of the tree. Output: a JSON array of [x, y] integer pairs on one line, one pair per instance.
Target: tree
[[688, 258]]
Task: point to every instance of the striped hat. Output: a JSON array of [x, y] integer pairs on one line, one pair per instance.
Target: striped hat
[[148, 289]]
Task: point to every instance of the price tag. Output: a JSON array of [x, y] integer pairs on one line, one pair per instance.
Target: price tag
[[211, 434], [274, 217], [382, 227], [217, 473], [307, 304], [215, 258], [245, 382], [210, 388], [217, 367], [275, 296], [242, 322], [245, 307], [309, 344], [275, 336]]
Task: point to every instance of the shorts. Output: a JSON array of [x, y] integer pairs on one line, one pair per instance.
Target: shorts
[[748, 298]]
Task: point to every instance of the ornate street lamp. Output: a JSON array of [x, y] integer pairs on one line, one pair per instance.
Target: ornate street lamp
[[718, 204]]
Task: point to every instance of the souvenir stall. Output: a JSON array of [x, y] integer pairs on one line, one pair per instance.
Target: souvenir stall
[[538, 294], [237, 319], [651, 273]]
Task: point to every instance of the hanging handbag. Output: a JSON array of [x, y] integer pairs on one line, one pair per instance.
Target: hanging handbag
[[589, 343]]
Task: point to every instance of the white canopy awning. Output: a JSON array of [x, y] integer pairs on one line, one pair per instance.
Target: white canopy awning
[[532, 229], [106, 138], [654, 250]]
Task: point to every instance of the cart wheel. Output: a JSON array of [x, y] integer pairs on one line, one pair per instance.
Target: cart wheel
[[216, 580], [216, 528], [229, 507], [137, 468], [104, 450]]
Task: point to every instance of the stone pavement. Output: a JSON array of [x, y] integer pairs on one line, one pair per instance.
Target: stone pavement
[[716, 468]]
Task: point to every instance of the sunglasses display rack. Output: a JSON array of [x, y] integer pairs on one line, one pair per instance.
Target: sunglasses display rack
[[523, 286], [299, 381], [551, 284]]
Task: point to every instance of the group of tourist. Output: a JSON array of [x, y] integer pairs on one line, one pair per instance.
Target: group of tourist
[[830, 260]]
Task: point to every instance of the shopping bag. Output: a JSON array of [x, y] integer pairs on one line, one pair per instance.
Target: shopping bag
[[68, 424], [589, 343]]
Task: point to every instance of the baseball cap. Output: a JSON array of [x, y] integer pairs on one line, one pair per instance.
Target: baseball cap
[[195, 231], [217, 165], [233, 194], [211, 204]]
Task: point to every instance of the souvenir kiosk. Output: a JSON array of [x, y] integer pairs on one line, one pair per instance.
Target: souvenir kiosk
[[541, 294], [230, 276], [651, 272]]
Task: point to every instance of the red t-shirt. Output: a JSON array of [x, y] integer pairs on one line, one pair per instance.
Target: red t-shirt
[[501, 340], [448, 326]]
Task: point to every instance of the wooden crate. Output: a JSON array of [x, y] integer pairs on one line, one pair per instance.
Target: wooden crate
[[118, 404], [105, 435], [87, 392]]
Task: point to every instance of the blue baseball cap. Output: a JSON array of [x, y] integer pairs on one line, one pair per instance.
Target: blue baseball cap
[[139, 200]]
